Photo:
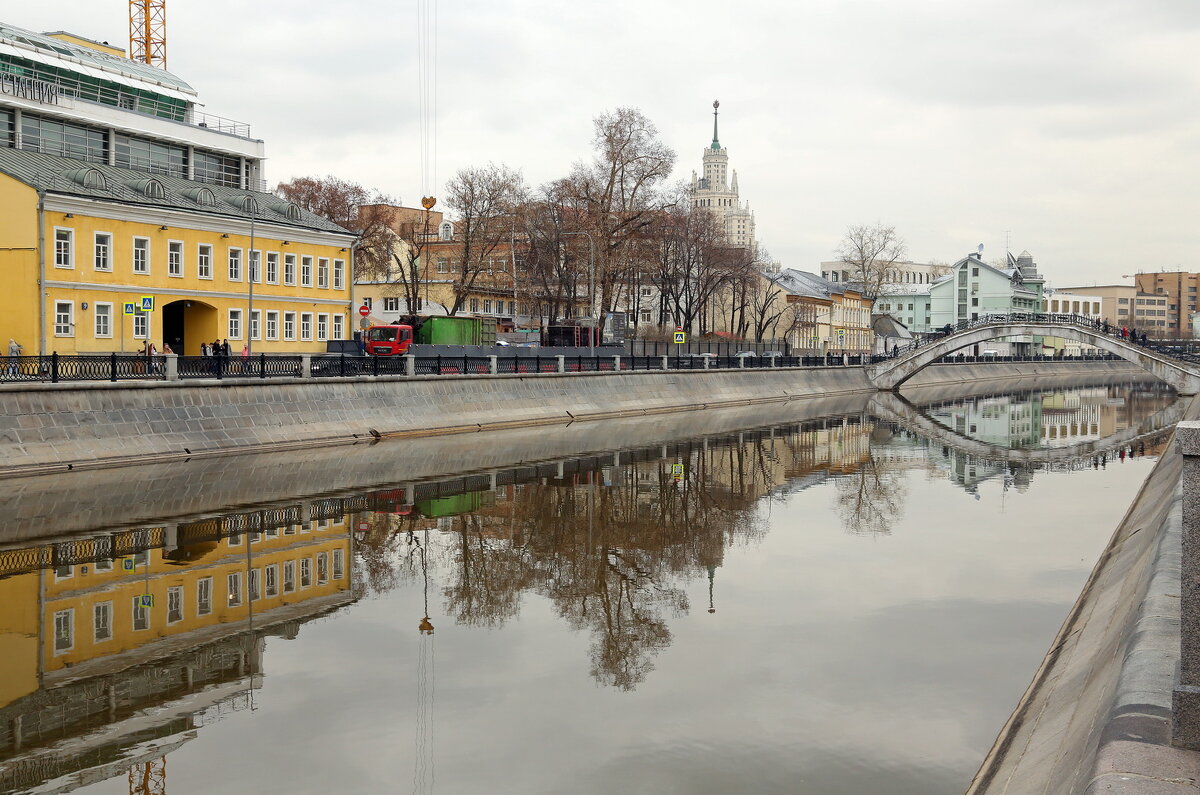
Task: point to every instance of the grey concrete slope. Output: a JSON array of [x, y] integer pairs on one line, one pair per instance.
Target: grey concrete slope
[[891, 407], [892, 373]]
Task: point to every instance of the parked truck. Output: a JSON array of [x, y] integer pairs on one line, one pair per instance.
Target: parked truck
[[395, 339]]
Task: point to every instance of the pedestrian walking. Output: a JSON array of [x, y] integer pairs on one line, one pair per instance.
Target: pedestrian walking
[[226, 351], [14, 351]]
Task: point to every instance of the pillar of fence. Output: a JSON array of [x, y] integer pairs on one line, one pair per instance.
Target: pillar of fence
[[1186, 697], [172, 368], [305, 365], [617, 364], [666, 365], [492, 365], [706, 361], [410, 364], [562, 363]]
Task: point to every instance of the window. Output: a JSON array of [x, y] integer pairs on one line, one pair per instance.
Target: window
[[204, 261], [255, 326], [322, 568], [443, 265], [64, 248], [339, 269], [272, 267], [63, 573], [271, 577], [367, 302], [272, 325], [235, 324], [391, 305], [306, 271], [322, 327], [175, 258], [141, 615], [104, 565], [235, 264], [337, 327], [175, 604], [141, 255], [289, 576], [141, 326], [289, 325], [323, 273], [305, 572], [289, 269], [512, 307], [234, 585], [256, 267], [339, 564], [474, 304], [306, 326], [64, 630], [102, 621], [103, 320], [204, 596], [102, 252], [255, 585], [64, 318], [487, 306]]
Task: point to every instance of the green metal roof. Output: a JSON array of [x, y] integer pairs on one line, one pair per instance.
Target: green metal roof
[[64, 176]]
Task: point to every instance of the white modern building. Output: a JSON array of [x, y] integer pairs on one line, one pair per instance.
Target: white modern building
[[903, 272]]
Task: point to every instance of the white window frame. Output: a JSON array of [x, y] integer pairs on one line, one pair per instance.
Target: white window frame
[[322, 568], [306, 326], [322, 326], [289, 576], [255, 263], [271, 580], [139, 609], [102, 242], [233, 260], [272, 265], [69, 315], [234, 321], [339, 270], [339, 564], [175, 592], [254, 585], [106, 608], [391, 304], [289, 325], [134, 255], [64, 250], [256, 324], [322, 273], [336, 329], [175, 265], [204, 254], [233, 589], [306, 573], [306, 271], [141, 326], [68, 617], [202, 585], [97, 314], [272, 324], [289, 270]]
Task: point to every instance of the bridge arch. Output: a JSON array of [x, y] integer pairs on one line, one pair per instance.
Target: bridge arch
[[893, 372]]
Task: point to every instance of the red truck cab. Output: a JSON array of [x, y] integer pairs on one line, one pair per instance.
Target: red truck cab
[[388, 340]]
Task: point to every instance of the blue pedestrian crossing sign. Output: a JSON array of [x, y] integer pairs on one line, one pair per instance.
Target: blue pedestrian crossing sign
[[131, 308], [680, 337], [127, 564], [677, 472], [147, 600], [147, 303]]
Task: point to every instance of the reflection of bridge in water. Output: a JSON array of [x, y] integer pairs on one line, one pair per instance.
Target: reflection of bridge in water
[[1179, 368], [892, 407]]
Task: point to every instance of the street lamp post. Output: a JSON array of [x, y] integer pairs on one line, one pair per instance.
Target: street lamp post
[[250, 279]]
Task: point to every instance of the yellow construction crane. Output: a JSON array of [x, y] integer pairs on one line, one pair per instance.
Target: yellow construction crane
[[148, 32]]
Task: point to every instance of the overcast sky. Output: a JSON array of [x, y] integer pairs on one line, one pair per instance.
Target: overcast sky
[[1072, 124]]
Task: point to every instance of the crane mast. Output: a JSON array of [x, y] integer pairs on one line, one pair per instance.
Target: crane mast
[[148, 32]]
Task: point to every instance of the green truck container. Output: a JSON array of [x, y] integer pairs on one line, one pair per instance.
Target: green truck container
[[457, 331]]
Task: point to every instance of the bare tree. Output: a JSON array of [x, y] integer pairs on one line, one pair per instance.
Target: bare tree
[[871, 252], [484, 200]]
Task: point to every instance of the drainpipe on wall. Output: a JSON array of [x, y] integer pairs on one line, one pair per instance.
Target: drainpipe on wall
[[41, 253]]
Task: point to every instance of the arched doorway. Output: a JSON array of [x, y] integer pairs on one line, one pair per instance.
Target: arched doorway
[[187, 324]]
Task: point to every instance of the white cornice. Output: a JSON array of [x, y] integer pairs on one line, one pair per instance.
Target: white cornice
[[198, 220], [144, 289]]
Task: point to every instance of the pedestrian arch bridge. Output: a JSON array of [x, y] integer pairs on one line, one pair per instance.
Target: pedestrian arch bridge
[[1167, 365]]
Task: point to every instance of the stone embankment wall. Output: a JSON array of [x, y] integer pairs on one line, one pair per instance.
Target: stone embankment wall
[[47, 428]]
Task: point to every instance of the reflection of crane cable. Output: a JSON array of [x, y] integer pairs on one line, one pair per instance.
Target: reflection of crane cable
[[423, 773], [427, 93]]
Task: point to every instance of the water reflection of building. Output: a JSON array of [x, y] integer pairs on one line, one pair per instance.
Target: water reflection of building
[[116, 648]]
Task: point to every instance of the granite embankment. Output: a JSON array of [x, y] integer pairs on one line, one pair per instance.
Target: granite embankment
[[48, 428]]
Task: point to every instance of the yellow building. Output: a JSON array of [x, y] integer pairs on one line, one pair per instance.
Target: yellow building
[[117, 192]]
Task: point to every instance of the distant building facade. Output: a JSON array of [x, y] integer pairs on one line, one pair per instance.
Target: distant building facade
[[716, 190], [1179, 288], [1124, 305]]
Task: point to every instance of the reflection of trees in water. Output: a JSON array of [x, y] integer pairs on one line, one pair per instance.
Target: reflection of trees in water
[[871, 499]]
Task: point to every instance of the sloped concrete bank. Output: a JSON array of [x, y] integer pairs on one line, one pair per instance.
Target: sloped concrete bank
[[48, 428], [1097, 716]]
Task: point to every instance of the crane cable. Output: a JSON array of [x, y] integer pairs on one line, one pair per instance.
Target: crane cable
[[427, 93]]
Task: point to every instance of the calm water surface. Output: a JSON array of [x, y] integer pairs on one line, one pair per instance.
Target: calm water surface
[[840, 605]]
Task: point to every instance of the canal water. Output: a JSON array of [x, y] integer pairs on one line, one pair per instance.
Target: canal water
[[839, 605]]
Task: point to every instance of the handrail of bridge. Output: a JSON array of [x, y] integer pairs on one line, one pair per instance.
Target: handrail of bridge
[[1185, 350]]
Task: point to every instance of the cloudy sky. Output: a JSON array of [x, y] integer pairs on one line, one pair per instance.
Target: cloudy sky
[[1069, 128]]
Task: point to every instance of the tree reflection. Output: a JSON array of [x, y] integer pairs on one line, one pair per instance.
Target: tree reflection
[[871, 499]]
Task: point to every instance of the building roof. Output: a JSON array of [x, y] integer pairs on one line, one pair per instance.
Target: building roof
[[62, 54], [888, 326], [807, 284], [65, 177]]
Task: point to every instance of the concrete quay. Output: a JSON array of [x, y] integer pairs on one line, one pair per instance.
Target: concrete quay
[[59, 427], [1097, 717]]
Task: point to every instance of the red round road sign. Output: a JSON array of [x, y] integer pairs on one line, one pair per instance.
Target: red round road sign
[[364, 310]]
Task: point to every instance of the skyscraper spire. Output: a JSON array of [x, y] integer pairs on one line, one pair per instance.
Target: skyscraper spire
[[716, 144]]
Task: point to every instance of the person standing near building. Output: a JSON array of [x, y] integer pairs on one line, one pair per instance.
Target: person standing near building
[[14, 351]]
